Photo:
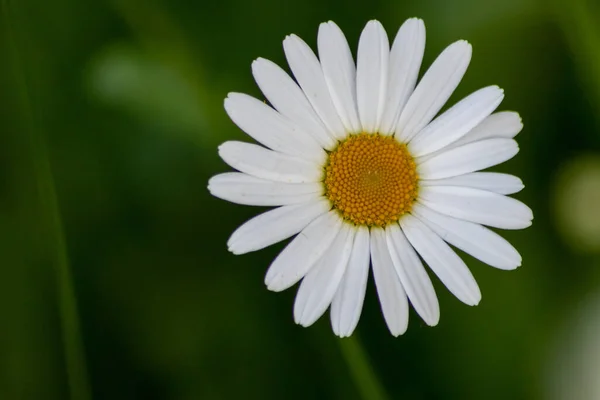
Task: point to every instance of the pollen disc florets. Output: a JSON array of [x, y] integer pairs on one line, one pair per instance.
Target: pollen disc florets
[[371, 179]]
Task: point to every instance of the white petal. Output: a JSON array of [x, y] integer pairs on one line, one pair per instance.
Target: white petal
[[471, 238], [477, 206], [392, 297], [434, 89], [309, 75], [302, 252], [413, 276], [245, 189], [268, 164], [457, 121], [371, 75], [287, 98], [490, 181], [504, 124], [405, 61], [468, 158], [270, 128], [446, 264], [340, 73], [348, 301], [274, 226], [320, 284]]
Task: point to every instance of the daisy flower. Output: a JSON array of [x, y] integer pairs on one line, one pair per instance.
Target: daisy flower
[[364, 173]]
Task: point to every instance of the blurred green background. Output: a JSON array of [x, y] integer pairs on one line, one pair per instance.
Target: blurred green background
[[114, 109]]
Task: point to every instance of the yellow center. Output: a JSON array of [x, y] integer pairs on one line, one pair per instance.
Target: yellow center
[[371, 179]]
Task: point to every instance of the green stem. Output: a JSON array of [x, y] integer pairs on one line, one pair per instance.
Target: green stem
[[67, 304], [363, 375]]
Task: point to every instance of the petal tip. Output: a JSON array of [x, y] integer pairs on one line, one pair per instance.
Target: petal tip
[[231, 97], [300, 317], [497, 89], [235, 252], [332, 26], [274, 285], [475, 301], [397, 332], [305, 324], [233, 246], [342, 332], [292, 38], [414, 23], [433, 318], [222, 147], [464, 46], [287, 40]]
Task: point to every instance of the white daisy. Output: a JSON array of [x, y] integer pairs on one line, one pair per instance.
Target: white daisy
[[363, 173]]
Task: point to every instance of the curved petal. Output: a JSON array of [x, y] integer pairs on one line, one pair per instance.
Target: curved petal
[[270, 128], [490, 181], [287, 98], [433, 90], [302, 253], [503, 124], [371, 75], [446, 264], [392, 297], [405, 61], [456, 121], [274, 226], [267, 164], [245, 189], [348, 301], [320, 284], [413, 276], [471, 238], [477, 206], [340, 73], [468, 158], [309, 75]]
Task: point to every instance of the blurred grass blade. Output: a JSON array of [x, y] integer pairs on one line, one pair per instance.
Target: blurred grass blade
[[579, 23], [48, 202], [363, 375]]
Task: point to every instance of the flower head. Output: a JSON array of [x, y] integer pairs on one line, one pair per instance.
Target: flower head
[[364, 173]]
